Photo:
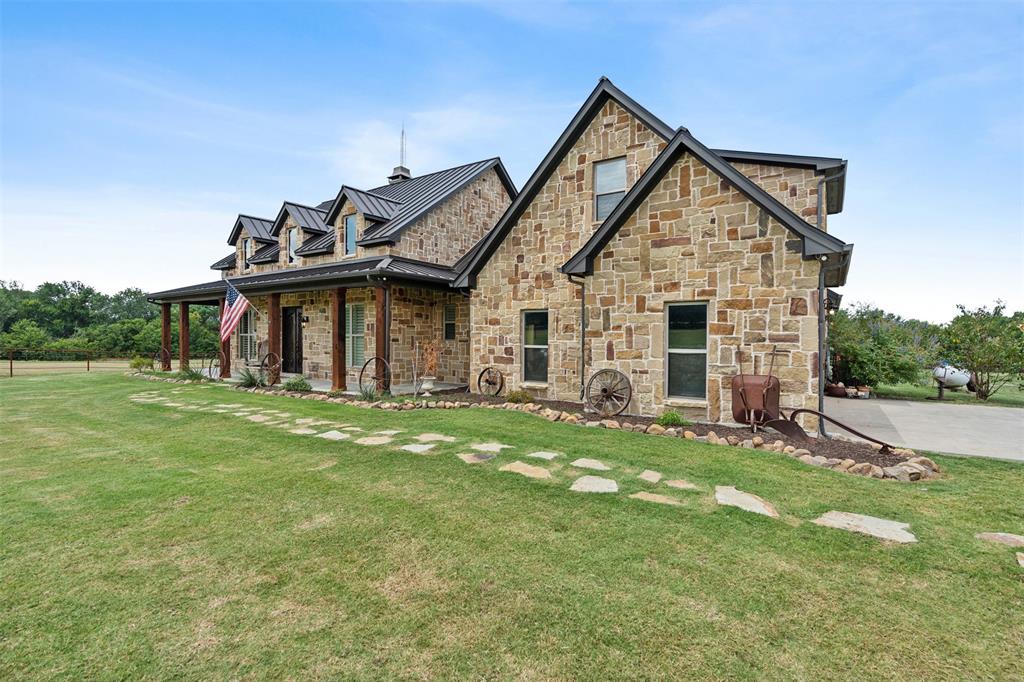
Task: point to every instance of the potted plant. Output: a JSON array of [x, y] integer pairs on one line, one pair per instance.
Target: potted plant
[[429, 366]]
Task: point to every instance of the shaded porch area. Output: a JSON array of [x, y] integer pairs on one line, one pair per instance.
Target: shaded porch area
[[333, 323]]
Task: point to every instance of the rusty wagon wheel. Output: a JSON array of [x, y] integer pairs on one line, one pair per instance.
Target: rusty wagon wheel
[[490, 381], [161, 359], [270, 367], [212, 364], [375, 376], [608, 392]]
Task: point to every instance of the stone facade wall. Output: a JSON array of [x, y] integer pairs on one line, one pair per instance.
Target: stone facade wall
[[796, 188], [523, 272], [450, 230], [417, 316], [696, 238], [339, 240]]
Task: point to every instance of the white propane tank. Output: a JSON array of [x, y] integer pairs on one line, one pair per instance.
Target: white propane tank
[[950, 376]]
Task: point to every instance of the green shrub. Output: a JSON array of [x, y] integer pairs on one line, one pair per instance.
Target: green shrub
[[192, 374], [139, 363], [872, 347], [247, 378], [519, 396], [369, 392], [297, 384], [670, 418], [989, 344]]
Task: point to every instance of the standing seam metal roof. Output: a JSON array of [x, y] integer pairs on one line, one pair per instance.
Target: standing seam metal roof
[[258, 228], [306, 217]]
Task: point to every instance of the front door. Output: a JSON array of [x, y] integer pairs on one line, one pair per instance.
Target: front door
[[291, 340]]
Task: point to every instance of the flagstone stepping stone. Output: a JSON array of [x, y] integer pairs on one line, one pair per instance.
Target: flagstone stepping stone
[[418, 448], [527, 470], [489, 447], [228, 405], [241, 414], [654, 497], [391, 432], [374, 440], [868, 525], [334, 435], [585, 463], [474, 457], [1008, 539], [303, 431], [258, 418], [351, 428], [728, 496], [681, 484], [173, 404], [434, 438], [1020, 559], [649, 476], [305, 420], [544, 455], [594, 484]]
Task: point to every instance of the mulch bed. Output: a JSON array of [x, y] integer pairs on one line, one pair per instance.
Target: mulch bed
[[826, 447]]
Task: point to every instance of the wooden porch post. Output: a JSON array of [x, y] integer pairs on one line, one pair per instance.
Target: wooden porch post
[[380, 327], [183, 350], [274, 332], [338, 359], [225, 348], [165, 337]]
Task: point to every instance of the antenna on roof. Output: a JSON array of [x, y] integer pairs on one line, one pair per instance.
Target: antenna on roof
[[401, 172]]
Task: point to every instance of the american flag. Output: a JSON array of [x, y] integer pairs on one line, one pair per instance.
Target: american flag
[[234, 306]]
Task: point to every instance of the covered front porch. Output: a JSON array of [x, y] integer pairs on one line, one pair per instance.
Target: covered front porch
[[327, 323]]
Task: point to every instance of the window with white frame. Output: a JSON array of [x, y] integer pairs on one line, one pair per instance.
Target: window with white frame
[[449, 322], [535, 345], [246, 336], [609, 186], [293, 244], [246, 252], [350, 234], [687, 350], [355, 334]]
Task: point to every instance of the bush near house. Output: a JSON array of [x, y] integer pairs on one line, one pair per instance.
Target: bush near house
[[988, 343], [871, 347]]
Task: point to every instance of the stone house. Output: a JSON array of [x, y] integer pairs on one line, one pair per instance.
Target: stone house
[[635, 247], [631, 247], [366, 274]]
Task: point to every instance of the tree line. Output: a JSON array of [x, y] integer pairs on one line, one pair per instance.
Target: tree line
[[870, 346], [61, 316]]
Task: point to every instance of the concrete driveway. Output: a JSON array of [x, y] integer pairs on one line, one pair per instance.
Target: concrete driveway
[[958, 429]]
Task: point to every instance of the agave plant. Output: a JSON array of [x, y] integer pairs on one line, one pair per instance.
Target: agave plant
[[250, 379]]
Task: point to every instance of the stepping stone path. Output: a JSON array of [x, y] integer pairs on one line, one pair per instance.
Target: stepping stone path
[[649, 476], [1008, 539], [474, 457], [585, 463], [392, 432], [544, 455], [527, 470], [334, 435], [681, 484], [305, 420], [654, 497], [302, 431], [434, 438], [1020, 559], [418, 448], [489, 447], [259, 418], [728, 496], [868, 525], [351, 428], [373, 440], [594, 484]]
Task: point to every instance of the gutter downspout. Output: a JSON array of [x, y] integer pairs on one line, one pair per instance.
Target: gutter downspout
[[582, 284], [822, 317]]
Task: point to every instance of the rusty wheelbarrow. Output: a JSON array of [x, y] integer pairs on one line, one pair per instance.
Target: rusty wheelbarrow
[[790, 427]]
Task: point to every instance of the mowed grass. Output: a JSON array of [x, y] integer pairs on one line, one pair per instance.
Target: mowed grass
[[1010, 395], [35, 367], [142, 541]]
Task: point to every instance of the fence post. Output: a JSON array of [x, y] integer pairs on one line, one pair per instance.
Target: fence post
[[10, 363], [88, 357]]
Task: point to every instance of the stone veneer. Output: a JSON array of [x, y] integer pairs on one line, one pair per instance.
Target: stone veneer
[[706, 243]]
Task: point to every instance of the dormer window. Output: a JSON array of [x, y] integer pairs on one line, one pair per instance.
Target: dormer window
[[246, 252], [350, 234], [609, 186], [293, 243]]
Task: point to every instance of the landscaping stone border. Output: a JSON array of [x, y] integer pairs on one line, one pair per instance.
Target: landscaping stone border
[[913, 468]]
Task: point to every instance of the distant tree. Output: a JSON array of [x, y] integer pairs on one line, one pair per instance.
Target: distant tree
[[987, 343], [24, 334], [63, 307], [130, 304], [872, 347], [12, 299]]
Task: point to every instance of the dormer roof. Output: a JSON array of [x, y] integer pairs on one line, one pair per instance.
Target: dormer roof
[[307, 218], [257, 228]]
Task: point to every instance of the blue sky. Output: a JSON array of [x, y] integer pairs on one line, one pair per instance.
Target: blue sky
[[133, 133]]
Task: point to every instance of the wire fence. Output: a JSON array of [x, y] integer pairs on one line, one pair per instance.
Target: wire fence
[[36, 361]]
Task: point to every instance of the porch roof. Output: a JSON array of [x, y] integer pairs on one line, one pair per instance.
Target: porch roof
[[340, 274]]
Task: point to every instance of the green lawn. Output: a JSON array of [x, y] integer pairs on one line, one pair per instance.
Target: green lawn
[[1010, 395], [145, 541]]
